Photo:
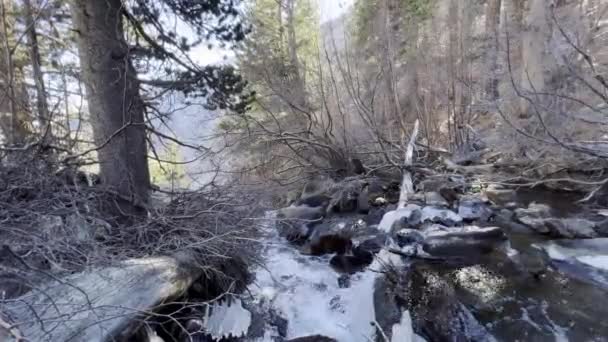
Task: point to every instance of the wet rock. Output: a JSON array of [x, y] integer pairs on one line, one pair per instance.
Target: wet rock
[[601, 228], [505, 219], [406, 237], [366, 249], [344, 281], [534, 216], [331, 237], [445, 217], [537, 217], [435, 199], [468, 241], [294, 223], [350, 263], [401, 218], [375, 215], [474, 209], [571, 228], [346, 198], [330, 244], [499, 194], [386, 309], [320, 200], [363, 201], [437, 312], [313, 338], [450, 195]]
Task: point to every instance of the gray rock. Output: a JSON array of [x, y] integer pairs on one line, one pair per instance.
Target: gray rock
[[371, 245], [506, 220], [386, 309], [534, 217], [468, 241], [294, 223], [435, 199], [320, 200], [571, 228], [437, 312], [499, 194], [406, 237], [344, 281], [474, 209], [363, 201], [346, 198], [331, 237], [445, 217], [400, 218]]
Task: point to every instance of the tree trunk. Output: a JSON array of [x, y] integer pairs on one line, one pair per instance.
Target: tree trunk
[[492, 31], [13, 98], [115, 106], [299, 89], [32, 37]]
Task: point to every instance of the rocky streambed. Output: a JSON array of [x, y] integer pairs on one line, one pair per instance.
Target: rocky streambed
[[342, 263]]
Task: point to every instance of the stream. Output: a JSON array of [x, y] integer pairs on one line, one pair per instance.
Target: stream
[[541, 289]]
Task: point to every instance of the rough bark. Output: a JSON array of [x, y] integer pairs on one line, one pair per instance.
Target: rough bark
[[299, 82], [115, 106], [492, 30], [100, 304], [13, 98], [34, 52], [407, 184]]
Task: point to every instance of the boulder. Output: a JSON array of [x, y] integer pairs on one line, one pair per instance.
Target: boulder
[[534, 216], [387, 311], [571, 228], [350, 263], [406, 237], [331, 237], [363, 201], [499, 195], [320, 200], [538, 217], [505, 219], [369, 247], [472, 208], [445, 217], [400, 218], [467, 241], [435, 310], [294, 223], [435, 199], [346, 198]]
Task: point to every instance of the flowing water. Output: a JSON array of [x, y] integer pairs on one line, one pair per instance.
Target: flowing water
[[522, 298]]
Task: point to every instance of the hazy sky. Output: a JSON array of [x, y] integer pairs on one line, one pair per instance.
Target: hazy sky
[[330, 9]]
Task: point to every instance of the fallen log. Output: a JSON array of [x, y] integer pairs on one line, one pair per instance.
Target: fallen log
[[100, 304], [407, 186]]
